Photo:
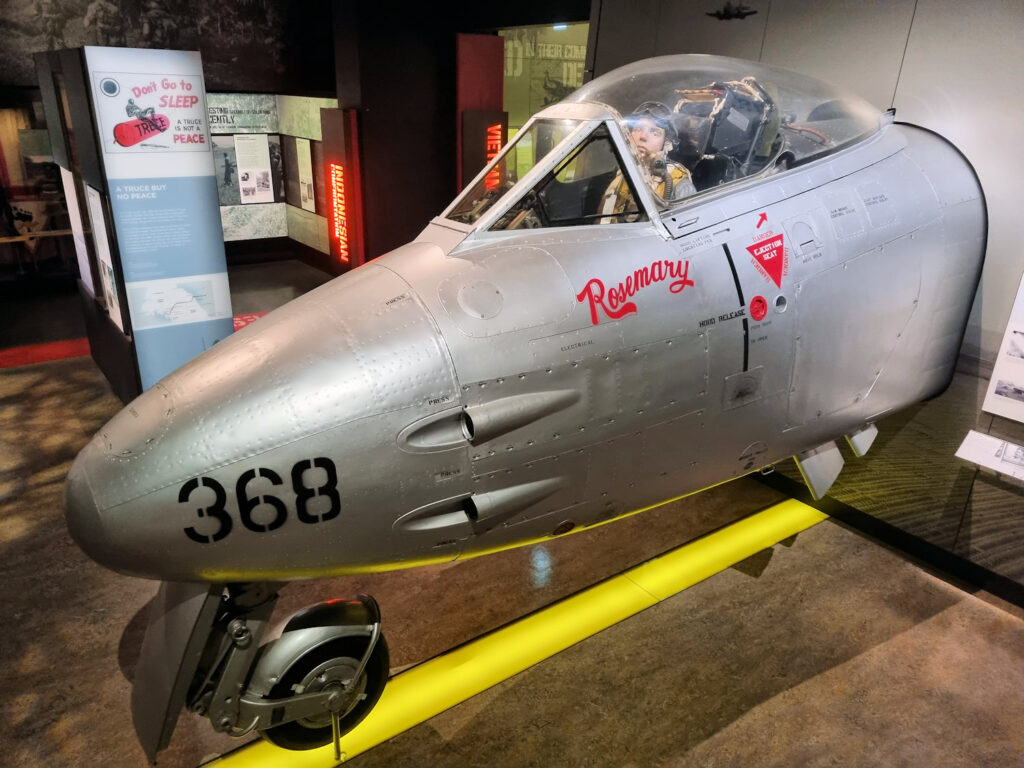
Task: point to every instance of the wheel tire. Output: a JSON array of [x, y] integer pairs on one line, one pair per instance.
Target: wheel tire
[[304, 734]]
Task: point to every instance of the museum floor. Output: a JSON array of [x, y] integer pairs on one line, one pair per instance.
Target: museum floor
[[829, 649]]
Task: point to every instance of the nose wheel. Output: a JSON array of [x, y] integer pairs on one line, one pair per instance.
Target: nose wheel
[[331, 667]]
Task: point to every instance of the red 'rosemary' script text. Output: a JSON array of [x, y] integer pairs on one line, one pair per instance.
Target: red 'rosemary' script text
[[615, 300]]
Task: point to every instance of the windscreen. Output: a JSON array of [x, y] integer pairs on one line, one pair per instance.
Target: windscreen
[[528, 148], [586, 187]]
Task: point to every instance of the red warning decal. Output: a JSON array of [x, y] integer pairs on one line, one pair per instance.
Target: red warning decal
[[132, 132], [758, 308], [769, 254]]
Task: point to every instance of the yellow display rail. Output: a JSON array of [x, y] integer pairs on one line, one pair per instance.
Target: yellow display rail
[[430, 688]]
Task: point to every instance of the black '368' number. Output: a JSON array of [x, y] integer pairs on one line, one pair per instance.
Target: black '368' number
[[247, 504]]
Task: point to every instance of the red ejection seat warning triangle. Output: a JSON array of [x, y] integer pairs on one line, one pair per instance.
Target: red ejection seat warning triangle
[[770, 257]]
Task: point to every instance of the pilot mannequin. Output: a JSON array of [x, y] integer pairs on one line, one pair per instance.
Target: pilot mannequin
[[653, 135]]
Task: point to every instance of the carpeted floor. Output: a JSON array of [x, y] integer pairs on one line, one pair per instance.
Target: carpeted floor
[[830, 651]]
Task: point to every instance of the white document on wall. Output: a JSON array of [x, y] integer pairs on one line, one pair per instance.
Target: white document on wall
[[1005, 396], [304, 161], [77, 228], [98, 223], [252, 155]]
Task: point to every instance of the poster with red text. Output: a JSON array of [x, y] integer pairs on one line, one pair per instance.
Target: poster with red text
[[140, 112]]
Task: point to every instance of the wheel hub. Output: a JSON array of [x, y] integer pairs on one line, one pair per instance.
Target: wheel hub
[[333, 675]]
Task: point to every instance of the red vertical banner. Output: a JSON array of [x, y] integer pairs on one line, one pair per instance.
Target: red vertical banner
[[338, 211], [353, 188], [344, 187], [479, 87]]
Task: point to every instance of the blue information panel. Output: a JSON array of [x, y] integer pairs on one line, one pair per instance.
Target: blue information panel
[[152, 117]]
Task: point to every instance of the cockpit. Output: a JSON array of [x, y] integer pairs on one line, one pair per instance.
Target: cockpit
[[656, 135]]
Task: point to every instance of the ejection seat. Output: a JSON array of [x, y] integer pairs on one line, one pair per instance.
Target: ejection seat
[[728, 130]]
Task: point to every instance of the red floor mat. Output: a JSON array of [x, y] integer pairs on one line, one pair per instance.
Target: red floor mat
[[58, 350], [243, 320], [41, 353]]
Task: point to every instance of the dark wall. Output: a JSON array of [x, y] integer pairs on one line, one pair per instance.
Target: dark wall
[[267, 46], [478, 17], [404, 71], [407, 127], [406, 95]]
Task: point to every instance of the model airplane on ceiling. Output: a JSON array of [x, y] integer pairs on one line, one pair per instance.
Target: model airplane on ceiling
[[691, 268], [728, 12]]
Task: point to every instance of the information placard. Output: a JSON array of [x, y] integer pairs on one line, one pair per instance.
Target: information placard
[[990, 452], [1005, 396], [98, 225], [252, 152], [242, 112], [157, 155], [305, 168], [67, 180]]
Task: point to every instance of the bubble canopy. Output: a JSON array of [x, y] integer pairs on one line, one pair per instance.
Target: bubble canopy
[[714, 103], [665, 79], [690, 124]]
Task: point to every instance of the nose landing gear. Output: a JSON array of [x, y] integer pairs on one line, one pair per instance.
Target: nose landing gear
[[301, 691]]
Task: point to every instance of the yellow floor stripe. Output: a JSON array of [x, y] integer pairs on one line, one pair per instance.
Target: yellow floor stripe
[[436, 685]]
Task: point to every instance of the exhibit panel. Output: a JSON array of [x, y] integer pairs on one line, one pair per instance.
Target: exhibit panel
[[65, 98], [151, 118], [543, 65], [271, 175]]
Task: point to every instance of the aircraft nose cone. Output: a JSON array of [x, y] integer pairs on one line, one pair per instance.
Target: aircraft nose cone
[[106, 474], [80, 509]]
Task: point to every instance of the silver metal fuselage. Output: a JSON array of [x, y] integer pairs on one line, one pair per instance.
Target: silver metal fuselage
[[474, 390]]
